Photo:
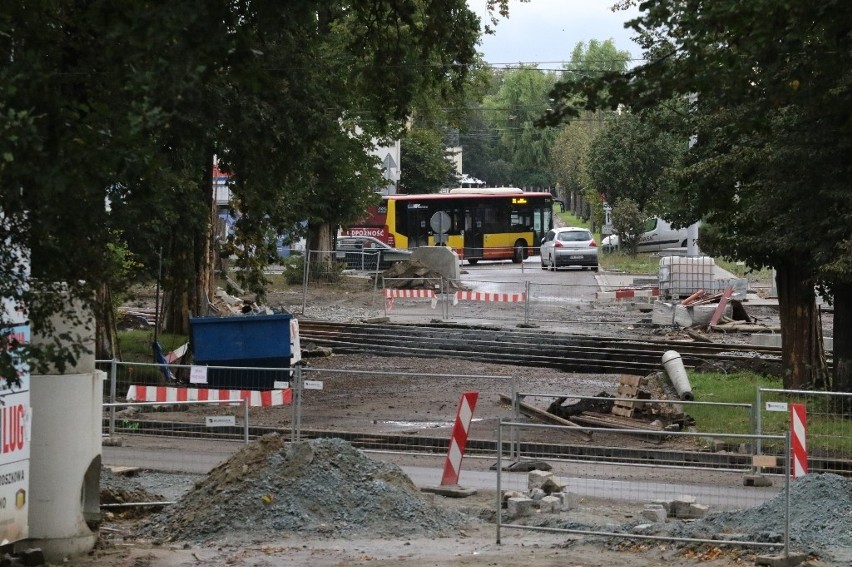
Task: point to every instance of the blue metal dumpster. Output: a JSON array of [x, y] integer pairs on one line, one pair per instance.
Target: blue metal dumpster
[[261, 341]]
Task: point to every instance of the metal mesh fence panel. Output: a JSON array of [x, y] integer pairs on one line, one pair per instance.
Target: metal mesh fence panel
[[599, 496], [829, 424]]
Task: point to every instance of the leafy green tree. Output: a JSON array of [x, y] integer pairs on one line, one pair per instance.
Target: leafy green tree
[[569, 155], [770, 89], [425, 165], [521, 99], [629, 158], [127, 103], [628, 221]]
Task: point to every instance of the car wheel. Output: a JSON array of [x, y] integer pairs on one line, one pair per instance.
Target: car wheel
[[594, 268], [472, 261]]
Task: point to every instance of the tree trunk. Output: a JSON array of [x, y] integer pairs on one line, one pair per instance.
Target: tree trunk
[[802, 352], [842, 350], [191, 264], [106, 332], [320, 248], [205, 259]]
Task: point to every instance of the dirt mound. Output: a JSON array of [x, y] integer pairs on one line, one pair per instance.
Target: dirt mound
[[119, 489], [322, 487]]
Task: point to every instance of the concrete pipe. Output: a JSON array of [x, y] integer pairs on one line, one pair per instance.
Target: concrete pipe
[[677, 374]]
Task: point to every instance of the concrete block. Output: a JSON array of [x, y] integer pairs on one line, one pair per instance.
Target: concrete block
[[690, 512], [537, 479], [781, 560], [662, 314], [654, 512], [550, 504], [439, 258], [553, 485], [680, 507], [507, 494], [756, 480], [537, 494], [642, 529], [569, 500], [518, 507]]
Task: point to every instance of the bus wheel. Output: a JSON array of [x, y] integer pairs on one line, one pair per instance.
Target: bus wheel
[[472, 261], [520, 253]]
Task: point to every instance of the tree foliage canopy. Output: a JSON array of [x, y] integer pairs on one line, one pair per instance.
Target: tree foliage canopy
[[770, 105], [111, 113]]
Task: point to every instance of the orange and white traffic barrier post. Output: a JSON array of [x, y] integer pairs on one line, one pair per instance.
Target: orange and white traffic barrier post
[[452, 466], [798, 439]]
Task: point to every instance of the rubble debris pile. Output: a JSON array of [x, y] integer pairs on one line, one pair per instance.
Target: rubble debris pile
[[820, 521], [626, 410], [567, 411], [323, 487], [546, 493], [414, 274]]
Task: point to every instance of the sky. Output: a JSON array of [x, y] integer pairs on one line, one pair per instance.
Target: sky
[[546, 31]]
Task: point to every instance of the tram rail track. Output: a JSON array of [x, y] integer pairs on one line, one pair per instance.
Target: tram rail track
[[577, 353]]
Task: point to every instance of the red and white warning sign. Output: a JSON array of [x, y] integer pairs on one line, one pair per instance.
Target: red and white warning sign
[[452, 467]]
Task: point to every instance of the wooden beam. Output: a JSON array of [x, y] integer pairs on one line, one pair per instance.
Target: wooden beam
[[542, 415]]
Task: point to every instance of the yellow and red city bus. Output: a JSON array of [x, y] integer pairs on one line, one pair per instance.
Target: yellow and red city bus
[[478, 223]]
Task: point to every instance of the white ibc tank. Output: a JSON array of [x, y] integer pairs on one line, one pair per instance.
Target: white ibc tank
[[681, 276]]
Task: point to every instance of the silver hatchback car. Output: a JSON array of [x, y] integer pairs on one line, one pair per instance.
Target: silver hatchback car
[[569, 246]]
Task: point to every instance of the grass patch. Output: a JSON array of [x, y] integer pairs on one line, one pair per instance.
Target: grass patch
[[569, 219], [828, 427], [641, 264], [739, 388], [135, 346]]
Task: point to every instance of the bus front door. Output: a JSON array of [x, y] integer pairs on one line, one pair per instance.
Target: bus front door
[[419, 228], [473, 241]]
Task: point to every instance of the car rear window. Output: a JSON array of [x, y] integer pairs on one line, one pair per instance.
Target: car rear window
[[575, 236]]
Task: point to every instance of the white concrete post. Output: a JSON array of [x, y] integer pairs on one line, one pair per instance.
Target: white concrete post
[[65, 460]]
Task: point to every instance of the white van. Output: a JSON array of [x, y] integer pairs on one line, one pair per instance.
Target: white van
[[657, 235]]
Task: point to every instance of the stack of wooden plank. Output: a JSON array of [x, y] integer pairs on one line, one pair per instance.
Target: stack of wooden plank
[[628, 387]]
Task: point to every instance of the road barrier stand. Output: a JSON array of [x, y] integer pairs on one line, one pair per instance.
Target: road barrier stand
[[458, 440]]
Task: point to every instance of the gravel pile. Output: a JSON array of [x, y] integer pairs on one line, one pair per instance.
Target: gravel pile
[[820, 520], [324, 487]]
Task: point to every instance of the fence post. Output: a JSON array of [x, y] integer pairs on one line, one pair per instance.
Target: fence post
[[499, 473], [514, 434], [246, 419], [384, 296], [445, 304], [297, 404], [758, 421], [787, 472], [527, 303], [305, 277], [113, 380]]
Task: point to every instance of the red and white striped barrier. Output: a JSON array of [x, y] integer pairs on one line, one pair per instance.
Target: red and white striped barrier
[[491, 296], [620, 294], [452, 467], [391, 294], [798, 439], [257, 398]]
